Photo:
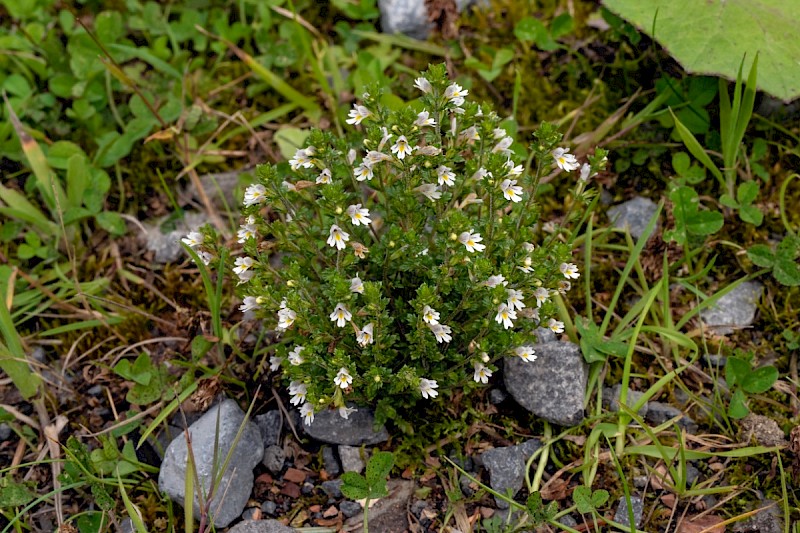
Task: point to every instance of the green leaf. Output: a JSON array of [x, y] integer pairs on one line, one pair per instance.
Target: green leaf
[[378, 468], [694, 147], [761, 255], [728, 201], [530, 29], [704, 222], [751, 214], [738, 408], [680, 162], [77, 178], [141, 371], [599, 497], [561, 25], [111, 222], [582, 496], [290, 140], [736, 369], [747, 192], [787, 273], [698, 35], [759, 380], [354, 486], [13, 494], [200, 346]]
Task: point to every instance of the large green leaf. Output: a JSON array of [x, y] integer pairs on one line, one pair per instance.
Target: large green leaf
[[712, 36]]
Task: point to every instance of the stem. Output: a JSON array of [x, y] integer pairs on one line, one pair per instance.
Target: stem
[[366, 515], [537, 478]]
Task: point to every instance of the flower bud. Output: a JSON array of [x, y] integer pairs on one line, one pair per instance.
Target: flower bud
[[485, 357], [391, 244], [377, 379], [339, 210], [453, 237], [290, 283]]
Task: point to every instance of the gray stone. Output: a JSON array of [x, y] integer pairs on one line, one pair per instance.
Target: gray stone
[[466, 485], [95, 390], [735, 310], [633, 215], [332, 488], [640, 482], [410, 17], [126, 525], [761, 429], [389, 514], [506, 467], [349, 509], [714, 360], [270, 424], [250, 513], [692, 475], [545, 335], [658, 413], [260, 526], [5, 431], [166, 247], [352, 460], [219, 426], [273, 459], [568, 520], [552, 386], [621, 516], [356, 430], [497, 396], [269, 507], [611, 398], [329, 462], [768, 520]]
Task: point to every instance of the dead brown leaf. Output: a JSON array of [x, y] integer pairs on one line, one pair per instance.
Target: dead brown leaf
[[696, 524]]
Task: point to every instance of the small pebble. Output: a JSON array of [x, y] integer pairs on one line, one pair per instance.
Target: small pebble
[[269, 508], [307, 488], [5, 431], [273, 459], [497, 396], [332, 488], [329, 462], [251, 513], [95, 390], [417, 507], [351, 458], [350, 509]]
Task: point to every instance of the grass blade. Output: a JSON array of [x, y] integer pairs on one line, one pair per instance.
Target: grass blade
[[696, 149]]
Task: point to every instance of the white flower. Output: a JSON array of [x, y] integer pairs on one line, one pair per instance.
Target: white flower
[[307, 412], [303, 158], [193, 239], [243, 268], [430, 191], [564, 286], [471, 241], [343, 379], [255, 194], [565, 160], [515, 299], [549, 227], [275, 362], [494, 281], [585, 171], [513, 170], [401, 147], [482, 373], [555, 325], [341, 315], [428, 388], [480, 174], [358, 215], [505, 315], [289, 186], [356, 285], [363, 172], [364, 336], [298, 392], [511, 191], [528, 247], [427, 150], [344, 412], [498, 133], [455, 93], [250, 303], [541, 296], [503, 146], [430, 315], [423, 119], [526, 353], [441, 332], [286, 318], [294, 356], [446, 176], [526, 265], [337, 237], [205, 257], [570, 270], [357, 114], [385, 137], [470, 135], [423, 85], [374, 156], [423, 252], [246, 231], [324, 176]]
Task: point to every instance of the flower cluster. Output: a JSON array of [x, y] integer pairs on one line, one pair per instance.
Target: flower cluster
[[413, 257]]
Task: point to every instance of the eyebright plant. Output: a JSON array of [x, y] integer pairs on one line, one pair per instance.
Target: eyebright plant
[[412, 256]]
